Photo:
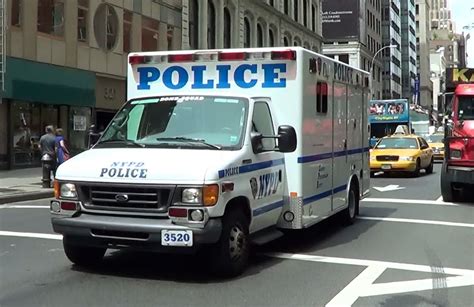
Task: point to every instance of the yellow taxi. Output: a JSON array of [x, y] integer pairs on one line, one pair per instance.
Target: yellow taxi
[[436, 143], [401, 153]]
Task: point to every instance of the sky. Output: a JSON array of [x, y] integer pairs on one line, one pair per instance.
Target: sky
[[463, 15]]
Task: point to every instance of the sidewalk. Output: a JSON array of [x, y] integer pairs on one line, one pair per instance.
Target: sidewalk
[[21, 185]]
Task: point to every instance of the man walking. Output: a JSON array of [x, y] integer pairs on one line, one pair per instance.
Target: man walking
[[46, 145]]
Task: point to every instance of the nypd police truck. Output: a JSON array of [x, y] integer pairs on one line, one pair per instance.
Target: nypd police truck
[[217, 149]]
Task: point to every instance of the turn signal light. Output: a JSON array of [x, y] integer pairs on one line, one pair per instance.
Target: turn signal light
[[178, 212], [210, 194], [57, 188]]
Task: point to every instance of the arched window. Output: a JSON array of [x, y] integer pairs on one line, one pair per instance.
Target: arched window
[[286, 42], [259, 35], [227, 28], [286, 7], [295, 10], [211, 25], [193, 24], [305, 13], [247, 33], [271, 38]]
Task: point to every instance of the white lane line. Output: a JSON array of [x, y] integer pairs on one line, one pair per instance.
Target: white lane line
[[409, 201], [22, 207], [351, 292], [415, 221], [440, 199], [30, 235]]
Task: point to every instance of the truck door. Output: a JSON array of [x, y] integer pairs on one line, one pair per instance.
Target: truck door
[[340, 160], [267, 180]]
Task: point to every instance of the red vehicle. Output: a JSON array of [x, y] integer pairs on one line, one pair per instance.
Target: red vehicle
[[457, 174]]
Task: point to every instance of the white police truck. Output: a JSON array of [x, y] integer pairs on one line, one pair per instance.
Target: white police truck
[[216, 149]]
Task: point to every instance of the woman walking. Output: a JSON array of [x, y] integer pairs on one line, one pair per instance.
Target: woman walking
[[62, 150]]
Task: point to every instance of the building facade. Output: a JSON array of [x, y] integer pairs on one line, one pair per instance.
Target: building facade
[[355, 36], [66, 60], [423, 25], [408, 48], [392, 57], [440, 15]]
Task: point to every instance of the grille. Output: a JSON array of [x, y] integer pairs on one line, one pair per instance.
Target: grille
[[128, 198], [387, 158]]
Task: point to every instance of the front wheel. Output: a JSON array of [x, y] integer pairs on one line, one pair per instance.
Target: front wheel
[[429, 169], [447, 190], [83, 255], [416, 173], [230, 254]]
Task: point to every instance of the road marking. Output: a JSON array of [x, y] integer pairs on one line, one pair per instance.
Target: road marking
[[415, 221], [363, 285], [440, 199], [22, 207], [409, 201], [30, 235], [391, 187]]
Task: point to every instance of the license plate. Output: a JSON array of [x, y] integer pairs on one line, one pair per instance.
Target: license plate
[[176, 238], [386, 166]]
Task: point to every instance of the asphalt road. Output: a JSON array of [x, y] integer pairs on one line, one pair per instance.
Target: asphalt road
[[407, 249]]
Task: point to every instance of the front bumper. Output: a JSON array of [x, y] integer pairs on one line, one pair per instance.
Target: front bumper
[[393, 166], [119, 231]]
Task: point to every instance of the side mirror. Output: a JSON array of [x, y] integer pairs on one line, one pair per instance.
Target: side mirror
[[256, 140], [286, 138]]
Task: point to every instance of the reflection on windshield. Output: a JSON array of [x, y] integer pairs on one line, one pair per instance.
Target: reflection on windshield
[[435, 138], [466, 107], [397, 143], [205, 122]]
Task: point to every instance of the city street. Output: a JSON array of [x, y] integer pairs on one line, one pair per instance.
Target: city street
[[408, 248]]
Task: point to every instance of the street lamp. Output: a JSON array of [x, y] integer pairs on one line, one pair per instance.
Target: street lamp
[[372, 67]]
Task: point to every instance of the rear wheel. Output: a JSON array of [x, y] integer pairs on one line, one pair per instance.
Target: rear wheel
[[83, 255], [429, 169], [349, 214], [230, 254]]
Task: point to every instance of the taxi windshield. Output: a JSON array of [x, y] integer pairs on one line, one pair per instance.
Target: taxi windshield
[[198, 122], [435, 138], [397, 143]]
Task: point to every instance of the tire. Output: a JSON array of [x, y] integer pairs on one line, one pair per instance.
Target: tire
[[349, 214], [429, 169], [447, 190], [372, 174], [416, 173], [231, 253], [83, 255]]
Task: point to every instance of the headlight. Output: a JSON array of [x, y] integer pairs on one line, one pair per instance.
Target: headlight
[[68, 190], [455, 154], [372, 158], [191, 196], [407, 158]]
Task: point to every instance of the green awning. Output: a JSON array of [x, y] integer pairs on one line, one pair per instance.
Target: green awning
[[39, 82]]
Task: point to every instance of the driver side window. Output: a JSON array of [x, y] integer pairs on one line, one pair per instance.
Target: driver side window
[[262, 123]]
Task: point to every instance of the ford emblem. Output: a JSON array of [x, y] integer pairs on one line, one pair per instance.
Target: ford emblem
[[121, 198]]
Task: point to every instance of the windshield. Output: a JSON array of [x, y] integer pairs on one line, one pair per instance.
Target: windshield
[[466, 108], [202, 122], [435, 138], [397, 143]]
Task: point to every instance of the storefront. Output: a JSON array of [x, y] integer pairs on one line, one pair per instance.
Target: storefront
[[37, 95], [110, 96]]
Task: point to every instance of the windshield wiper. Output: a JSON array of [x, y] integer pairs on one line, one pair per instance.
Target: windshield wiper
[[127, 142], [190, 140]]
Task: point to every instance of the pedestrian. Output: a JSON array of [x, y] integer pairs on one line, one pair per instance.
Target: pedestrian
[[62, 148], [47, 146]]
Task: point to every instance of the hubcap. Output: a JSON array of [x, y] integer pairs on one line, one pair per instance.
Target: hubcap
[[236, 242]]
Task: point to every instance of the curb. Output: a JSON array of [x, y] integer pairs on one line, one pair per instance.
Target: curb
[[26, 196]]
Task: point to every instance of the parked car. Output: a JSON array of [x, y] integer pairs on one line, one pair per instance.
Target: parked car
[[436, 143], [401, 153]]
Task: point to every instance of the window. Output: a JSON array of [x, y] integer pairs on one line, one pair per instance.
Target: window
[[227, 28], [211, 25], [271, 38], [247, 35], [262, 123], [106, 26], [82, 13], [295, 10], [193, 25], [286, 42], [322, 97], [169, 36], [344, 58], [259, 35], [150, 34], [286, 7], [305, 13], [51, 17], [16, 13], [313, 18], [127, 30]]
